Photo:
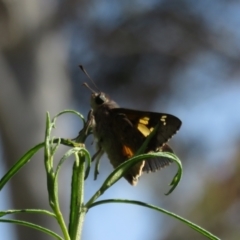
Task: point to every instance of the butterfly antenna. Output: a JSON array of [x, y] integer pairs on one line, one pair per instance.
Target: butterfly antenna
[[86, 85], [85, 72]]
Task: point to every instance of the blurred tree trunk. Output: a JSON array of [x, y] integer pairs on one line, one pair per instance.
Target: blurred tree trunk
[[33, 80]]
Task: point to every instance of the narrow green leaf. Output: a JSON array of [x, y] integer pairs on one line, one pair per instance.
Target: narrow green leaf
[[69, 153], [14, 211], [74, 197], [89, 161], [190, 224], [48, 160], [123, 168], [19, 164], [47, 146], [55, 143], [142, 149], [77, 209], [69, 111], [34, 226], [178, 175]]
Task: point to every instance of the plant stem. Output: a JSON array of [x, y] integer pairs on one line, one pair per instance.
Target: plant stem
[[77, 209], [56, 208]]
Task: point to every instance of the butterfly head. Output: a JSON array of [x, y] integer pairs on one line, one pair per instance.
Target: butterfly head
[[97, 98]]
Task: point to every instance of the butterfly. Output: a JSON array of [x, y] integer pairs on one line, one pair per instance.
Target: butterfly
[[120, 132]]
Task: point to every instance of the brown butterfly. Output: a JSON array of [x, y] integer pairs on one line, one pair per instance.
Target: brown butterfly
[[120, 132]]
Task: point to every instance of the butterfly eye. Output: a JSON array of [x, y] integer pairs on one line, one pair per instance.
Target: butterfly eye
[[100, 99]]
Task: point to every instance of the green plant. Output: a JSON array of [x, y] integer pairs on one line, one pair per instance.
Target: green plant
[[81, 168]]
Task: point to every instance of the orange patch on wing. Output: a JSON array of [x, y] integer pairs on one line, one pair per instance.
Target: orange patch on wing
[[127, 152]]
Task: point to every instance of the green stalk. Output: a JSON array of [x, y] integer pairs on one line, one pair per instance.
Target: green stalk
[[56, 208], [77, 208]]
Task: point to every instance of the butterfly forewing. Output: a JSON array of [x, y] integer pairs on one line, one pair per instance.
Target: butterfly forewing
[[145, 122]]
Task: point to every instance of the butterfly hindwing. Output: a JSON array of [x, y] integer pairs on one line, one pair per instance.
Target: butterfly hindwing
[[156, 163], [137, 125]]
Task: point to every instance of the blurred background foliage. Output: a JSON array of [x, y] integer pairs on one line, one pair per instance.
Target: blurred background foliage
[[175, 56]]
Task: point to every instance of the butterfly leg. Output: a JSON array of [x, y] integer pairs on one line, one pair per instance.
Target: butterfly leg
[[97, 156], [87, 129]]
